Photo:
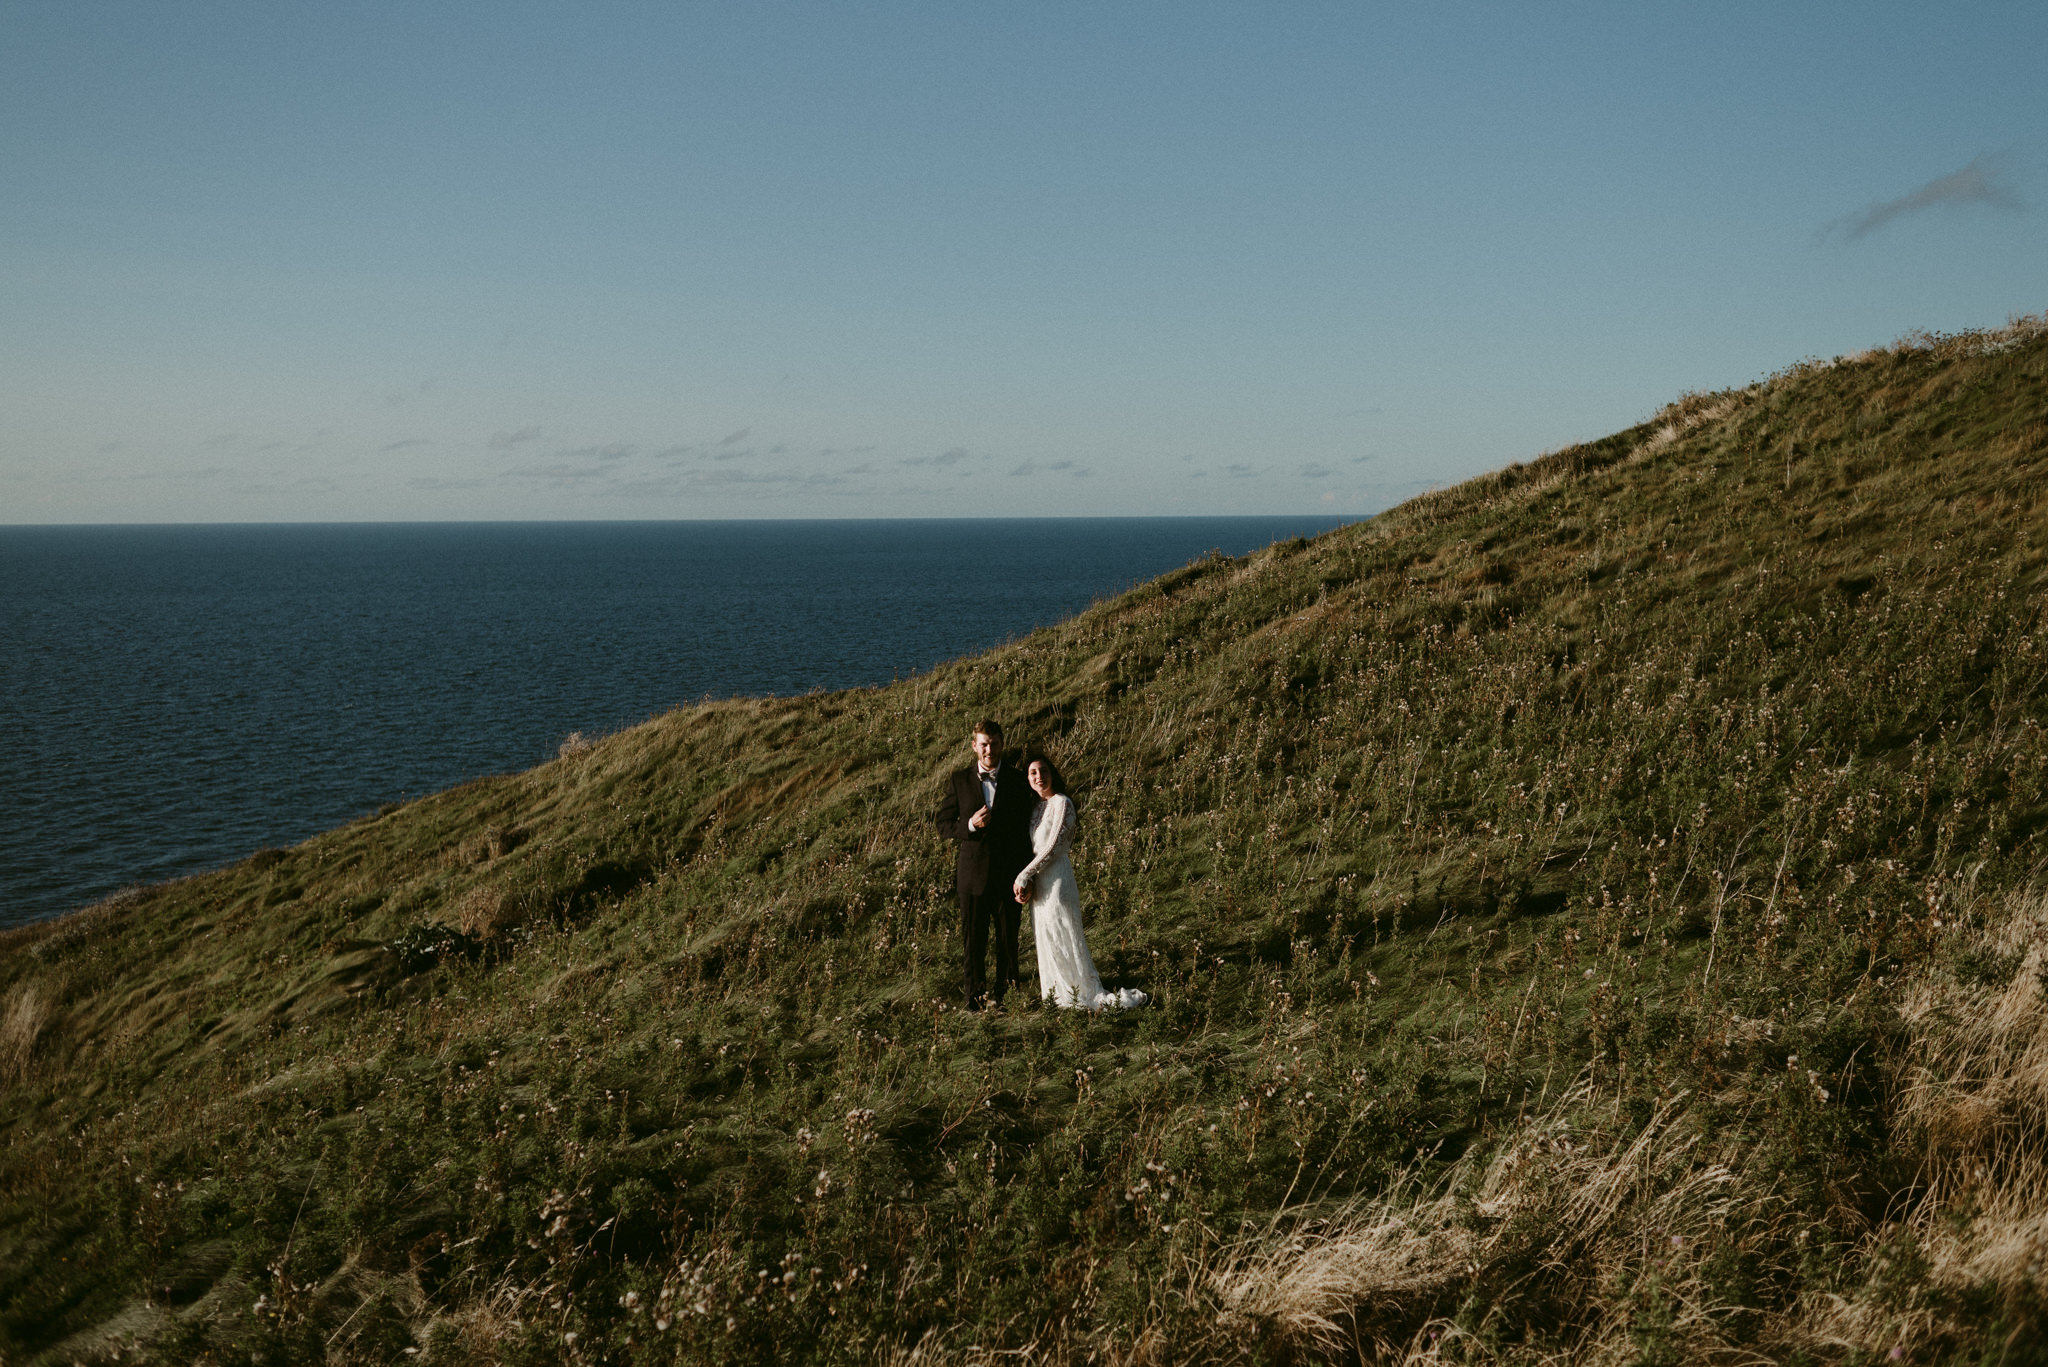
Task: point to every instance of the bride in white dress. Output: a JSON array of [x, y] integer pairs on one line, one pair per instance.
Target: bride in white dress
[[1066, 972]]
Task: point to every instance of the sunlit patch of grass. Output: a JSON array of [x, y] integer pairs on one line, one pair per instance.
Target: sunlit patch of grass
[[21, 1026]]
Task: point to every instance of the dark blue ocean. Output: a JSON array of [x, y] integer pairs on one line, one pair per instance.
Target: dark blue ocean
[[173, 698]]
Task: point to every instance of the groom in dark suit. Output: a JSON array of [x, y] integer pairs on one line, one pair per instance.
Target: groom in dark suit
[[987, 812]]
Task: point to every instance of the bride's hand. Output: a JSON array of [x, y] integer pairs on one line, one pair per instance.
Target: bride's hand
[[1021, 890]]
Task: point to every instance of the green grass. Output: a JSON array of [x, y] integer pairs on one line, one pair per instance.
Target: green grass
[[1502, 849]]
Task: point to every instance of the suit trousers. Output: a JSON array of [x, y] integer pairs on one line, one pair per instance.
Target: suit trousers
[[991, 914]]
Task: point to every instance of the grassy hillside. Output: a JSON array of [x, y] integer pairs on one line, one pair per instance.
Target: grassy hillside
[[1595, 911]]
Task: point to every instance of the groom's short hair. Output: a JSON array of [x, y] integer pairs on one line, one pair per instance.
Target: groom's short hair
[[992, 729]]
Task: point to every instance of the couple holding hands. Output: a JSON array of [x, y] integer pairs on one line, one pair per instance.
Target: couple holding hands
[[1014, 831]]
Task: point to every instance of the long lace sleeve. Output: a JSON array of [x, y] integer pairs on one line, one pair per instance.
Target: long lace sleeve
[[1050, 840]]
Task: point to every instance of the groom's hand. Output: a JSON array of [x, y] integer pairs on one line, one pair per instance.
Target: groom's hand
[[979, 819]]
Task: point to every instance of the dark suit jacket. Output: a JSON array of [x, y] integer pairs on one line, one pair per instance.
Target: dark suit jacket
[[991, 856]]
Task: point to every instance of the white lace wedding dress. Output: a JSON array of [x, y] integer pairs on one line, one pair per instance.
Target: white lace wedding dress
[[1066, 971]]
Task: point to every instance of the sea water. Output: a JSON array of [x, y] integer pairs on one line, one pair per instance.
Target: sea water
[[174, 698]]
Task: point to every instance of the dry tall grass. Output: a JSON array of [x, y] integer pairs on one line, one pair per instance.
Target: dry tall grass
[[487, 910], [1582, 1240], [1596, 1233], [28, 1015], [1974, 1103]]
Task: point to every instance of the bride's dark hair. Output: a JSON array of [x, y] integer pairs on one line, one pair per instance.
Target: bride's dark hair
[[1052, 771]]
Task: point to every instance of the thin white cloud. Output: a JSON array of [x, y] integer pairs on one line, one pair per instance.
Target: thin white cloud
[[617, 450], [1982, 182], [941, 461], [560, 472], [728, 477], [505, 441], [178, 476], [309, 484]]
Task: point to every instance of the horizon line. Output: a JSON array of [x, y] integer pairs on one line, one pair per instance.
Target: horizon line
[[696, 521]]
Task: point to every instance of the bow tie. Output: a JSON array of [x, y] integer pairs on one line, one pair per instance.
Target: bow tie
[[986, 775]]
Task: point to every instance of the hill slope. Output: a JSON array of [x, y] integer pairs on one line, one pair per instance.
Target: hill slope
[[1591, 910]]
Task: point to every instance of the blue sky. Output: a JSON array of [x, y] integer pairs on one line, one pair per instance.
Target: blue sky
[[275, 262]]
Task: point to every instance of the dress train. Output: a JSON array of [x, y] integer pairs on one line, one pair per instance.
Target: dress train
[[1066, 970]]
